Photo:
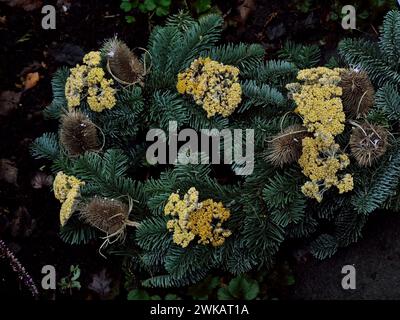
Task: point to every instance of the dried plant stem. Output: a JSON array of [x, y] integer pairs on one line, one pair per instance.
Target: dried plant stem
[[16, 266], [286, 134]]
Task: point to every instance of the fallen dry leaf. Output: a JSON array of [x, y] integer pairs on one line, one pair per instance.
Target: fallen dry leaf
[[8, 102], [8, 171], [101, 284], [31, 80], [27, 5], [32, 67], [245, 7], [22, 223]]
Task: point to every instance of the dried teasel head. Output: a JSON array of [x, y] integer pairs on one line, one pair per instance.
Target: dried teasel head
[[122, 63], [41, 180], [107, 215], [367, 143], [286, 147], [78, 133], [358, 93]]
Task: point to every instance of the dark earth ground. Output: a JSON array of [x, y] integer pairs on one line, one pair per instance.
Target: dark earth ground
[[29, 217], [376, 259]]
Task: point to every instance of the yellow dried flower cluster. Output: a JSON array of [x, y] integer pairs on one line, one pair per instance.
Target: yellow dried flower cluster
[[193, 218], [92, 59], [88, 80], [319, 104], [318, 101], [213, 85], [66, 190], [321, 163]]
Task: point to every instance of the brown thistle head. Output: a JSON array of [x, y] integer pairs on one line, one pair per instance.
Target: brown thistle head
[[358, 93], [108, 215], [286, 147], [367, 143], [78, 133], [123, 64]]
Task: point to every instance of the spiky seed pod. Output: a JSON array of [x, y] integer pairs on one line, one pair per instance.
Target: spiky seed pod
[[108, 215], [368, 143], [358, 93], [78, 134], [286, 147], [123, 64]]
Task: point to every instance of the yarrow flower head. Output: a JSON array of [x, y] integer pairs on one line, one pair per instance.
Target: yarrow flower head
[[213, 85], [93, 58], [318, 100], [192, 218], [89, 80], [321, 164], [66, 190], [75, 85]]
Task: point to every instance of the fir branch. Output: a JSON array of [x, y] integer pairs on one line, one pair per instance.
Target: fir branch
[[46, 147], [162, 42], [272, 72], [57, 106], [259, 233], [153, 235], [366, 55], [240, 55], [168, 106], [199, 37], [387, 99], [300, 55], [389, 41], [237, 257], [304, 228], [125, 119], [182, 20], [348, 226], [75, 232], [373, 193], [260, 96], [104, 175], [325, 246]]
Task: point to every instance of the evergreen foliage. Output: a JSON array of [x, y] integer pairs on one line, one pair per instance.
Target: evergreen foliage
[[301, 55], [267, 206], [380, 60]]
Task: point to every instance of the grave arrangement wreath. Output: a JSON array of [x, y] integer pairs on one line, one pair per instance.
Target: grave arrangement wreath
[[326, 151]]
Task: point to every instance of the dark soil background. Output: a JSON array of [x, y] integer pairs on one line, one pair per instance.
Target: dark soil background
[[376, 260], [29, 221]]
